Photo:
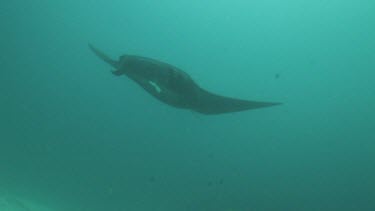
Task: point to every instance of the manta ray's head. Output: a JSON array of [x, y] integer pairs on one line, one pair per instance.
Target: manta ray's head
[[122, 60], [124, 63]]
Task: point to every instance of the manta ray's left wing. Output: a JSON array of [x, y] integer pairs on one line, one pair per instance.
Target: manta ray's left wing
[[104, 57]]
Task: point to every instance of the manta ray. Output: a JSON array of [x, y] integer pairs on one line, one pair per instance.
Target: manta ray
[[175, 87]]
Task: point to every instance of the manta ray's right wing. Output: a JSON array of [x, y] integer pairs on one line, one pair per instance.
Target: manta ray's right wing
[[210, 103]]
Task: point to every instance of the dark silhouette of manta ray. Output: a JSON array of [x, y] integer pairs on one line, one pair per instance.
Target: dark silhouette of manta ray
[[174, 87]]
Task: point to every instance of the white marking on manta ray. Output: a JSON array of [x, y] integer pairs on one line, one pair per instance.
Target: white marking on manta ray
[[155, 86]]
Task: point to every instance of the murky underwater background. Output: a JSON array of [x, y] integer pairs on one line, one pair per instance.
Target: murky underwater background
[[74, 137]]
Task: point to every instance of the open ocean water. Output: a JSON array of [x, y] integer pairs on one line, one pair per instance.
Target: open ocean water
[[75, 137]]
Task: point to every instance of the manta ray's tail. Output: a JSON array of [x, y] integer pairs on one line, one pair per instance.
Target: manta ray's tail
[[104, 57]]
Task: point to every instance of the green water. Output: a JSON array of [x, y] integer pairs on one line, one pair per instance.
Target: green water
[[74, 135]]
